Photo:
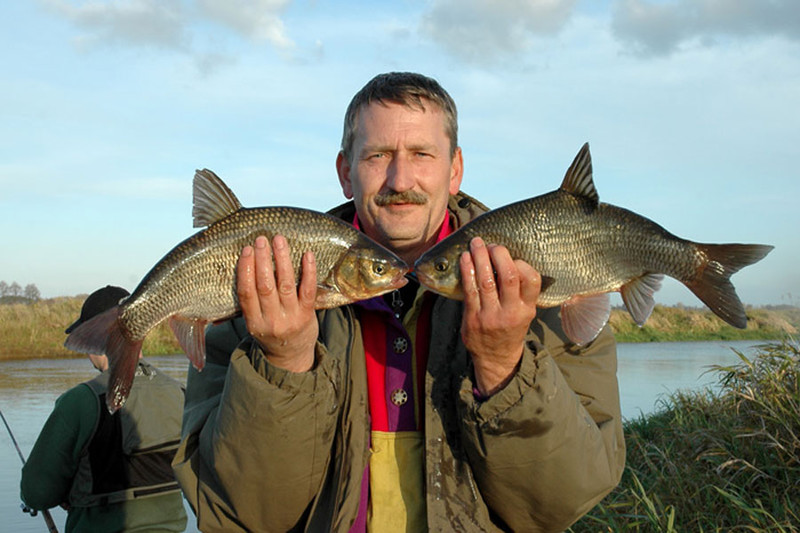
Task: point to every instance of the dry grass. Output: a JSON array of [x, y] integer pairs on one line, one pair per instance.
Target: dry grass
[[36, 330], [682, 324]]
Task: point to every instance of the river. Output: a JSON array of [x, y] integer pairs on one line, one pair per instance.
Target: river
[[28, 389]]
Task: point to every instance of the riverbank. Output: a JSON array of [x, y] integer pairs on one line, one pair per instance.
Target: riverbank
[[728, 461], [31, 330]]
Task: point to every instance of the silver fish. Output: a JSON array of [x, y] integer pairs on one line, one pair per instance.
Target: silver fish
[[584, 249], [195, 283]]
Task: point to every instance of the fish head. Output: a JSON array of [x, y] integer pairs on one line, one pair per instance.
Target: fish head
[[438, 268], [367, 269]]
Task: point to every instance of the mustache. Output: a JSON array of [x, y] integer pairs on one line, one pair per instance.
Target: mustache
[[405, 197]]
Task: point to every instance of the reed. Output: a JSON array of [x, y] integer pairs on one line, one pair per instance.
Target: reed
[[36, 330], [725, 461], [669, 324]]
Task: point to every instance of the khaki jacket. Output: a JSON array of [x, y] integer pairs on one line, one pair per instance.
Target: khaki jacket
[[269, 450]]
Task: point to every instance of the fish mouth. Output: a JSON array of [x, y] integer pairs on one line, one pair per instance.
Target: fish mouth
[[436, 286]]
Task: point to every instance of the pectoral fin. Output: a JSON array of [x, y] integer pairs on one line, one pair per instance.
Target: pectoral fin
[[328, 298], [638, 296], [583, 317], [191, 335]]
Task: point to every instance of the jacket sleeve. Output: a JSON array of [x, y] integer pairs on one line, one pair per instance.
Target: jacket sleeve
[[53, 462], [549, 446], [256, 439]]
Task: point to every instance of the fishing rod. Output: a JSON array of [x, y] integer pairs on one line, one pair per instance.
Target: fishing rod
[[48, 519]]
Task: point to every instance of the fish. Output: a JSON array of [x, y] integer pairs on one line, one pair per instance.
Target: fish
[[585, 249], [194, 284]]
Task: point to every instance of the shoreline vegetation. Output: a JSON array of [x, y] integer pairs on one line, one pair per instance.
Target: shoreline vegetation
[[726, 459], [36, 330]]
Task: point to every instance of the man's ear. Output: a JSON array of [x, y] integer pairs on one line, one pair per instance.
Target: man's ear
[[456, 171], [343, 170]]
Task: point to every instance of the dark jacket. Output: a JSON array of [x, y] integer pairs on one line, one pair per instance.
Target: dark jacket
[[269, 450], [112, 470]]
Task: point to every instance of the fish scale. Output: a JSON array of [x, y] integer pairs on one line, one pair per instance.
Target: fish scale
[[195, 283], [584, 249]]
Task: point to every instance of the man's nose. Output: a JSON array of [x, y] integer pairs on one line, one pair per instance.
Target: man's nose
[[400, 175]]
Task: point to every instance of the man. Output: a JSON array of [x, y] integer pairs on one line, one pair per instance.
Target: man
[[111, 472], [405, 412]]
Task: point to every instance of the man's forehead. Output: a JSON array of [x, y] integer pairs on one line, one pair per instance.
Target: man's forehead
[[375, 112]]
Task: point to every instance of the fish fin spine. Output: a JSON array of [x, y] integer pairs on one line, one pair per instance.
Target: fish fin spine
[[712, 284], [578, 179], [212, 200], [637, 295], [191, 335], [584, 317], [123, 358]]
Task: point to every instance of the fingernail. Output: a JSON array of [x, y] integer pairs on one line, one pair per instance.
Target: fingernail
[[261, 242]]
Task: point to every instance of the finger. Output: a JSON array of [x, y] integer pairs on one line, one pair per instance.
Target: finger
[[530, 282], [507, 274], [265, 278], [307, 292], [468, 283], [246, 284], [484, 273], [284, 270]]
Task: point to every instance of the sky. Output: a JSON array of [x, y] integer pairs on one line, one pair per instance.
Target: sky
[[691, 109]]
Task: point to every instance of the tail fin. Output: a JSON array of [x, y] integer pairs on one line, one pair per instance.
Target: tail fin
[[712, 284], [103, 335]]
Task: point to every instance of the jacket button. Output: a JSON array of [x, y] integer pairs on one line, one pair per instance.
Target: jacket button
[[400, 345], [399, 397]]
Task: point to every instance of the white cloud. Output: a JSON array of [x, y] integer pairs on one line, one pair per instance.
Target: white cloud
[[483, 31], [254, 19], [154, 23], [173, 24], [659, 28]]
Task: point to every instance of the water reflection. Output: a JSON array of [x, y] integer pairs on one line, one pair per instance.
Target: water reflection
[[28, 390], [650, 371]]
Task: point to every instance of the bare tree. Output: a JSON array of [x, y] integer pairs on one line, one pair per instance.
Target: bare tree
[[14, 289], [32, 293]]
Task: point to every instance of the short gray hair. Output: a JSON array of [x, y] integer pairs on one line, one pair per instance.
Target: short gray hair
[[407, 88]]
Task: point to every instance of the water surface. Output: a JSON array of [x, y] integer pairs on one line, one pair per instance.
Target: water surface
[[28, 389]]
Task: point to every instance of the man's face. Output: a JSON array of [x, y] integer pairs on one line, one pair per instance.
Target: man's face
[[100, 362], [400, 175]]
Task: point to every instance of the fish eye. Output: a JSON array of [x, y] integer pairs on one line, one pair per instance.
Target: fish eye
[[441, 265], [379, 268]]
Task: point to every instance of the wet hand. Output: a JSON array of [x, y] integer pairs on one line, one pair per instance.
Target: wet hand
[[279, 313], [498, 309]]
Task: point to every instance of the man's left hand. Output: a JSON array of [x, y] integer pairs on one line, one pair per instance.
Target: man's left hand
[[498, 310]]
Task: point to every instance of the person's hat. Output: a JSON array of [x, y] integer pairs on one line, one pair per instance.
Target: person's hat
[[97, 302]]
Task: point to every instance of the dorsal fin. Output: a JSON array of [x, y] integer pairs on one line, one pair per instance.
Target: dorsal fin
[[212, 200], [578, 179]]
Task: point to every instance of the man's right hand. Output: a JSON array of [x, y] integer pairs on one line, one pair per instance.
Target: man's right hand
[[279, 314]]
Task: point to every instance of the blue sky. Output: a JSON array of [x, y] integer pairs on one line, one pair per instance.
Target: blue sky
[[691, 108]]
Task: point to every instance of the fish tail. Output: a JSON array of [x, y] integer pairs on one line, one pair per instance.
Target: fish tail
[[104, 335], [712, 283]]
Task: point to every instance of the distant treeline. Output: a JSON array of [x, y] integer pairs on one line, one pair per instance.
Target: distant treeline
[[35, 328], [14, 293]]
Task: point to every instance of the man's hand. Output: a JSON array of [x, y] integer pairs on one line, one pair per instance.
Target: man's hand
[[497, 311], [279, 314]]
